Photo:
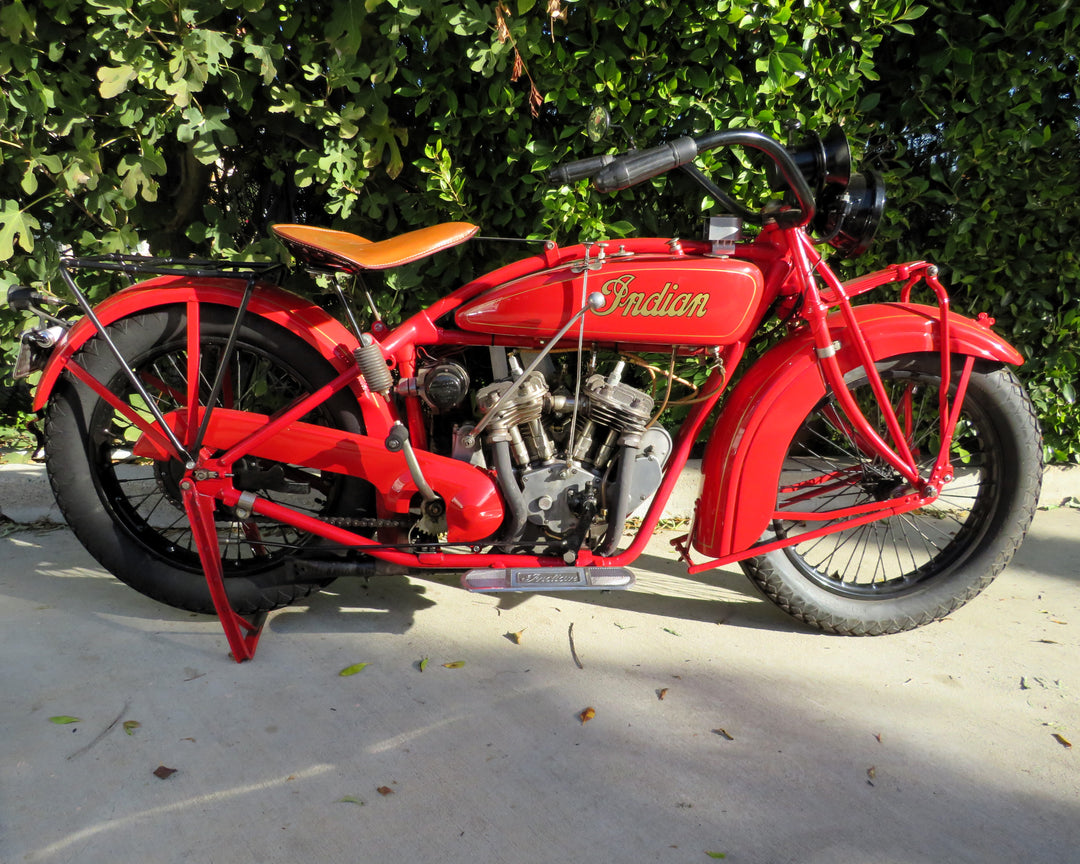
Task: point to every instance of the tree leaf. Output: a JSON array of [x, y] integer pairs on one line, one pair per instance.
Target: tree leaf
[[16, 21], [131, 725], [14, 222], [64, 719], [352, 670], [350, 799], [587, 715], [456, 664], [114, 80]]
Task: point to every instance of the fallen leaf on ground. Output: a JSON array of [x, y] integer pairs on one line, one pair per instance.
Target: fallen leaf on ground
[[385, 790], [163, 773], [871, 773], [661, 693], [456, 664], [717, 854], [423, 664], [723, 733], [352, 670], [878, 736], [1063, 741], [587, 715], [64, 719], [349, 799], [515, 637], [131, 725], [669, 630]]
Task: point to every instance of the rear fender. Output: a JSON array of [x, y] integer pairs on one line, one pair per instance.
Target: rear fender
[[290, 311], [743, 459]]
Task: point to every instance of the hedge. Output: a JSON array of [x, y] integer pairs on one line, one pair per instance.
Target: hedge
[[185, 128]]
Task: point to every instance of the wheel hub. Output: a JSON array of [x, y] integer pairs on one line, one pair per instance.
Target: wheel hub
[[168, 475]]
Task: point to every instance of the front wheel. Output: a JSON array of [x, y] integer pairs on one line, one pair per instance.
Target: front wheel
[[907, 570]]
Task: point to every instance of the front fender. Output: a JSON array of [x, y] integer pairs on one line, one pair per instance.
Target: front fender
[[290, 311], [744, 456]]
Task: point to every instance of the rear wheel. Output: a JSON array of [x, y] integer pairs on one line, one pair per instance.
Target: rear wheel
[[127, 510], [907, 570]]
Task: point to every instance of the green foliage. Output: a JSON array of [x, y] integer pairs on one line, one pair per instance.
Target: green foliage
[[186, 127], [977, 122]]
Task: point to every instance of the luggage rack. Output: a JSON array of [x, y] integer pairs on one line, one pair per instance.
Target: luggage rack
[[152, 266], [142, 265]]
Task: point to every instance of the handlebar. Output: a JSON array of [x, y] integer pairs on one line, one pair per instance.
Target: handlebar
[[622, 172], [629, 170], [579, 170]]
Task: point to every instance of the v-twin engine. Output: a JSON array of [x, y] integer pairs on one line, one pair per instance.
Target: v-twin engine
[[572, 469]]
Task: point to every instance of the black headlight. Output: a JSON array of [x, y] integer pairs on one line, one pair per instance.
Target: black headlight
[[849, 206], [848, 216], [822, 161]]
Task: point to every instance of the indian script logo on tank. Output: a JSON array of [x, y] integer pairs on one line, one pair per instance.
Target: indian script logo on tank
[[668, 302]]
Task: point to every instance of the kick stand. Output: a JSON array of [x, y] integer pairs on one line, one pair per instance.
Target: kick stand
[[242, 635]]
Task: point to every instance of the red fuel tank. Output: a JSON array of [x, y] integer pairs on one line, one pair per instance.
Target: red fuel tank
[[649, 300]]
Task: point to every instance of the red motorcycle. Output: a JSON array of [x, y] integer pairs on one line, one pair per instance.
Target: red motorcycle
[[223, 445]]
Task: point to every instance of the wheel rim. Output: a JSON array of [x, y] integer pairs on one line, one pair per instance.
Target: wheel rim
[[143, 496], [825, 470]]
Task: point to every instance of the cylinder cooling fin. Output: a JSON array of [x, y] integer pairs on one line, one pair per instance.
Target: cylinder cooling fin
[[618, 405]]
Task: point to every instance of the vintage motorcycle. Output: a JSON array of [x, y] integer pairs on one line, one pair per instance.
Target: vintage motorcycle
[[223, 445]]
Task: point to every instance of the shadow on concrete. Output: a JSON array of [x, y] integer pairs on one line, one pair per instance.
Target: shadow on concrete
[[1051, 553], [279, 761]]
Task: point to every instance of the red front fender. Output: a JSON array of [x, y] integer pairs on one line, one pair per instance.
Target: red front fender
[[290, 311], [744, 456]]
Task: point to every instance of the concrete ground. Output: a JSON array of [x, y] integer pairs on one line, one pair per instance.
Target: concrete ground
[[721, 727]]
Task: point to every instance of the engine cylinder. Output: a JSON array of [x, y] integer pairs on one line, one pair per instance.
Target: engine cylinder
[[616, 405]]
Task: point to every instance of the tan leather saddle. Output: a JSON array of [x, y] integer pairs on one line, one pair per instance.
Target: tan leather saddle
[[340, 250]]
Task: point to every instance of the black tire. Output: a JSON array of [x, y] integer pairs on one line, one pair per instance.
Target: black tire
[[907, 570], [127, 511]]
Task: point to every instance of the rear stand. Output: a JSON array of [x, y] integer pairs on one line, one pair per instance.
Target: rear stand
[[242, 634]]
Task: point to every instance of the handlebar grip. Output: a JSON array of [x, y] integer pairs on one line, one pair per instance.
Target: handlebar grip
[[582, 168], [627, 171]]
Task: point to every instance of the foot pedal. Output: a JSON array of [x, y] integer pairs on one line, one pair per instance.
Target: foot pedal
[[548, 579]]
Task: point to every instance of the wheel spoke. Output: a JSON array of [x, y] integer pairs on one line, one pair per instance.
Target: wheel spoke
[[826, 469], [148, 500]]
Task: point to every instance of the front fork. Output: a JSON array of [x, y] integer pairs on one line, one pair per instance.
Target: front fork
[[898, 454]]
